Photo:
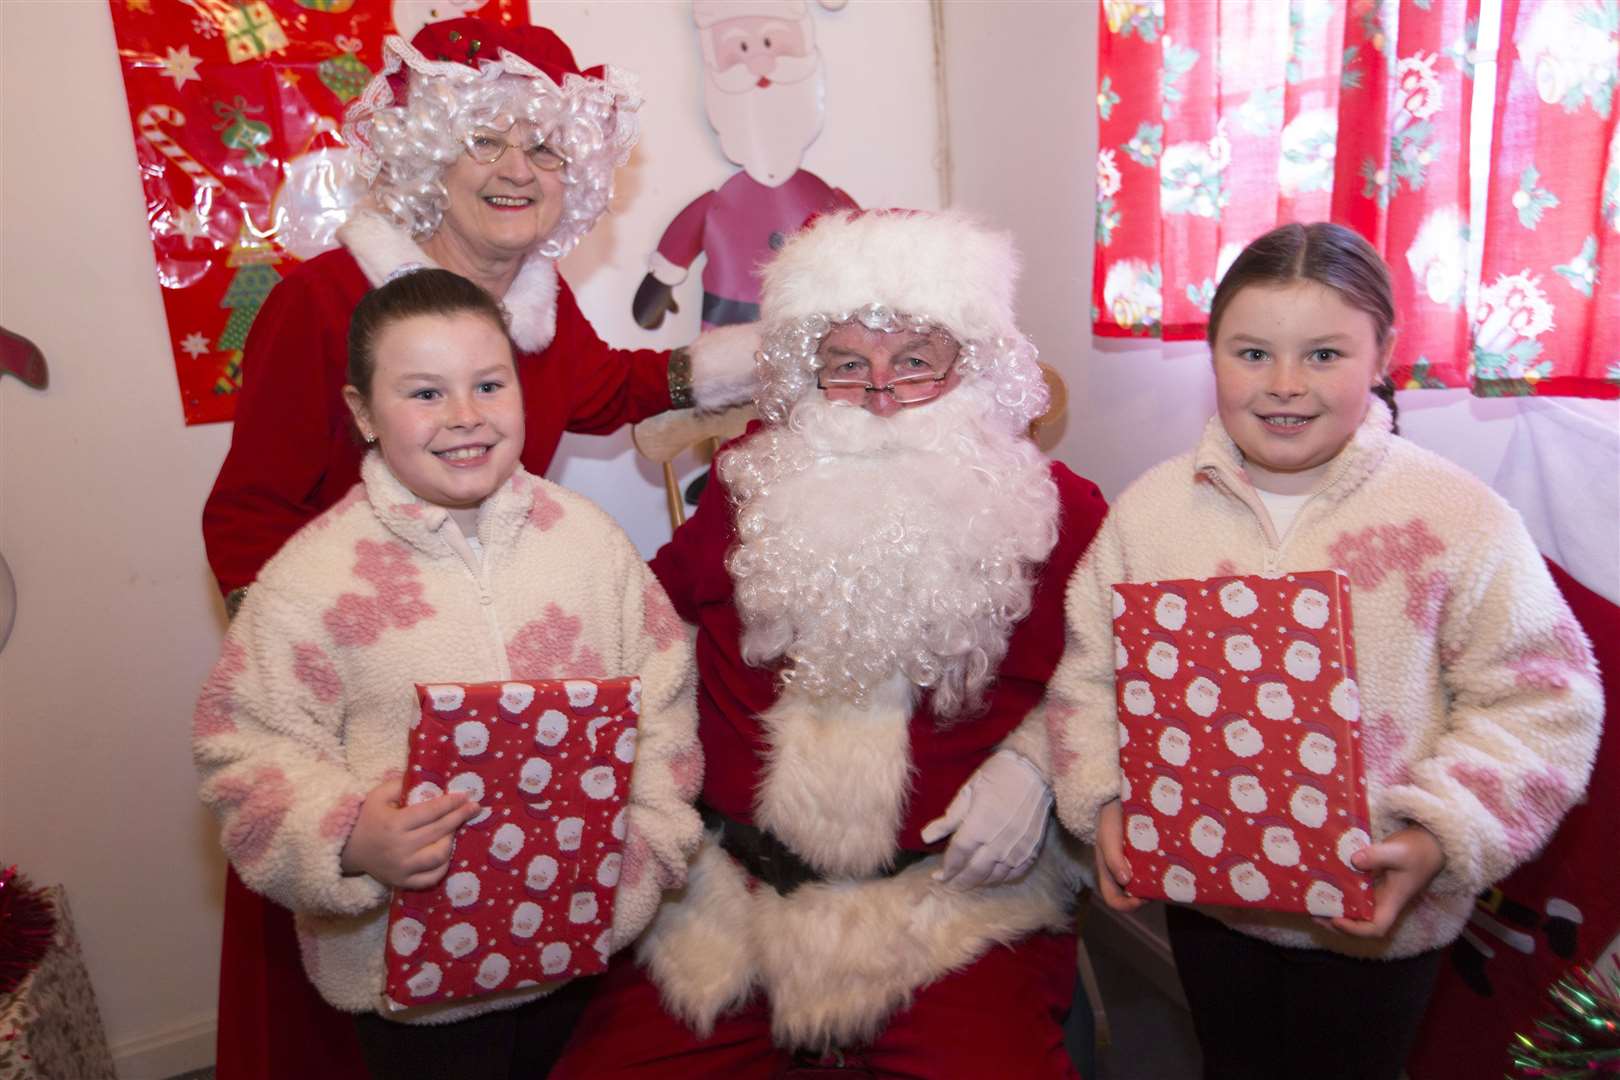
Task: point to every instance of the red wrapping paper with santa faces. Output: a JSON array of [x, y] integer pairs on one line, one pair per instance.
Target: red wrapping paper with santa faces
[[529, 894], [1240, 747]]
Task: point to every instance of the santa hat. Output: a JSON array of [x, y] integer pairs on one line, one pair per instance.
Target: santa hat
[[1303, 637], [1199, 671], [1173, 590], [1230, 718], [1165, 773], [1203, 809], [1131, 809], [468, 49], [1261, 678], [1272, 821], [941, 267], [1173, 861], [1316, 727]]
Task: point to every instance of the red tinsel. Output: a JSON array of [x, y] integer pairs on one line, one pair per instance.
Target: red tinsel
[[27, 928]]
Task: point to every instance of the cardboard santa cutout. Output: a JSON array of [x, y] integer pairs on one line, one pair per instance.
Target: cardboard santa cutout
[[763, 89]]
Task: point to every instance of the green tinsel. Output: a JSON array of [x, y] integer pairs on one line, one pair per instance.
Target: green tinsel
[[1580, 1041]]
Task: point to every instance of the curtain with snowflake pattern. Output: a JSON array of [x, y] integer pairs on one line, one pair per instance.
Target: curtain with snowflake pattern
[[1218, 121]]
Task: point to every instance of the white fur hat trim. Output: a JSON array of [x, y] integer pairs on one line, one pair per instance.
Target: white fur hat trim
[[943, 267]]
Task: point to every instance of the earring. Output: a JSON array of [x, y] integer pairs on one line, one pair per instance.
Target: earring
[[371, 439]]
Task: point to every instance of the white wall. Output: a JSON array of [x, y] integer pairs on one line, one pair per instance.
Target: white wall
[[101, 484]]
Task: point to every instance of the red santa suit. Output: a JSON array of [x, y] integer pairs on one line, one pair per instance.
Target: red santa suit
[[738, 226], [906, 971]]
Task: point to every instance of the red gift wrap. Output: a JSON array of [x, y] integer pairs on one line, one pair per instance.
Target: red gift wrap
[[1239, 743], [529, 894]]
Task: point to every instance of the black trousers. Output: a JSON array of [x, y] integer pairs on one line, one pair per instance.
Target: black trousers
[[522, 1043], [1264, 1012]]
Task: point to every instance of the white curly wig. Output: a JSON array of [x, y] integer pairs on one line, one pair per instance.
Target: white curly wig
[[896, 270], [406, 147]]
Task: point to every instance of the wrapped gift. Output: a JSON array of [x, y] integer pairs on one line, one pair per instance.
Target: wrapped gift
[[50, 1026], [529, 894], [1240, 744]]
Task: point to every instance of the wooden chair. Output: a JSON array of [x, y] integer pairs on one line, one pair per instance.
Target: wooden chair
[[665, 437], [1047, 428], [1102, 1036]]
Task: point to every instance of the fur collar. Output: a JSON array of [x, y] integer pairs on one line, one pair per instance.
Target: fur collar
[[383, 249], [423, 525], [1218, 456]]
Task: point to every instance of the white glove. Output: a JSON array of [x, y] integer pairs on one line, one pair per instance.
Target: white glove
[[999, 818]]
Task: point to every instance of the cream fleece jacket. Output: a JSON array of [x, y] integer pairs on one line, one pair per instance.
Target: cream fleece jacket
[[313, 697], [1480, 701]]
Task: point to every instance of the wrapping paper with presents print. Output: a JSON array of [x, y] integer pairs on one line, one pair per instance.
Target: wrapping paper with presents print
[[236, 112], [529, 894], [1239, 739]]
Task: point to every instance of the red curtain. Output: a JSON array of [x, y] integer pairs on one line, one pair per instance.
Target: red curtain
[[1548, 320], [1219, 121]]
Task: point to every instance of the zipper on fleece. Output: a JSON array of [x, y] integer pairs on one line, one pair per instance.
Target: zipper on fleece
[[486, 596], [1273, 543]]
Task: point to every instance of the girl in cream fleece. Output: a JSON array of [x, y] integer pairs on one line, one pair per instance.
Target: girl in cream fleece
[[1480, 704], [447, 563]]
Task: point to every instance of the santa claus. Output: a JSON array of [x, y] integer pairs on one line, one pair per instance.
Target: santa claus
[[763, 86], [877, 585]]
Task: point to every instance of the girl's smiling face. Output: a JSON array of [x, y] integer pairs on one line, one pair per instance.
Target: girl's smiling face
[[1294, 367], [445, 407]]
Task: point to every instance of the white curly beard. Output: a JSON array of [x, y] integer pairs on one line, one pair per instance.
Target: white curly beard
[[870, 546]]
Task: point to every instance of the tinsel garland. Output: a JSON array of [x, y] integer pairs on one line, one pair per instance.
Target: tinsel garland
[[1582, 1039], [27, 929]]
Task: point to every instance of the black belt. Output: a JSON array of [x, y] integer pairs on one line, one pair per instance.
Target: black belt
[[718, 311], [766, 858]]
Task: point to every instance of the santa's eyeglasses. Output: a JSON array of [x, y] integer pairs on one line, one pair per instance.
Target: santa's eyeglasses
[[910, 390], [487, 147]]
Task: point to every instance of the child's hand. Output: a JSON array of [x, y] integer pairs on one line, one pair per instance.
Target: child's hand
[[407, 847], [1113, 869], [1404, 862]]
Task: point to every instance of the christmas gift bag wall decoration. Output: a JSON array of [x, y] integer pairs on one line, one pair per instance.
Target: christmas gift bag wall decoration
[[236, 109], [1240, 744]]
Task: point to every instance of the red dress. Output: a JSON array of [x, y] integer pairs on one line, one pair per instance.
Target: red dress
[[294, 452]]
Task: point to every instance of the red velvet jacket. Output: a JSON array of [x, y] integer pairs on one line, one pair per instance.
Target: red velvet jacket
[[732, 695], [294, 451]]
